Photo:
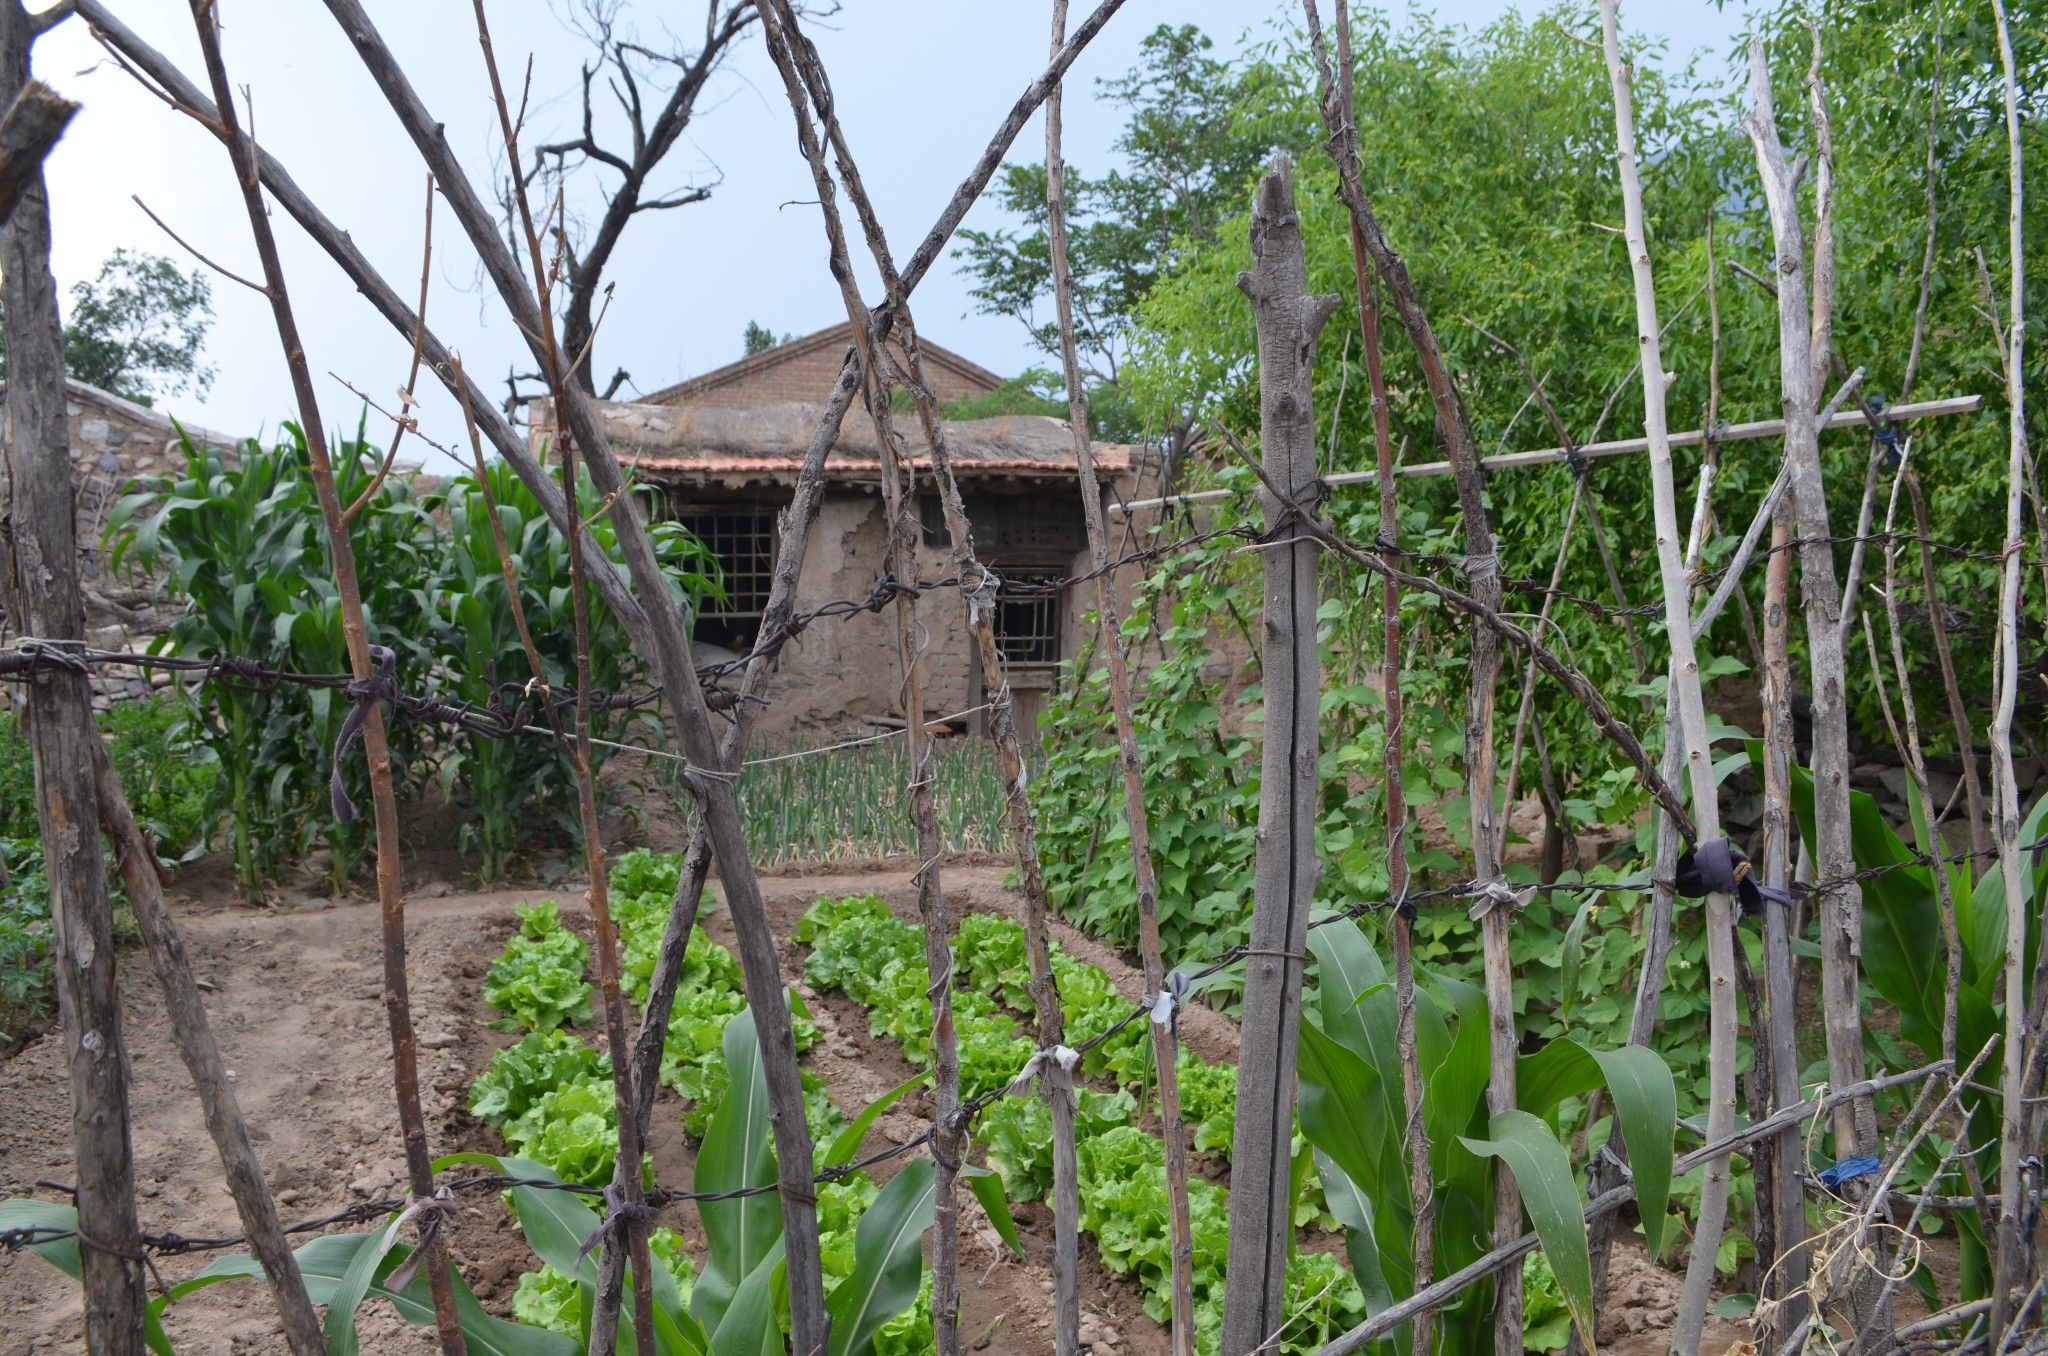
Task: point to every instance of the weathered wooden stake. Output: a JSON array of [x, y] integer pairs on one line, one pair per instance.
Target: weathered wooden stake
[[1261, 1226], [1058, 1086], [40, 565], [377, 749], [1855, 1123], [1686, 699], [193, 1035], [2015, 1238]]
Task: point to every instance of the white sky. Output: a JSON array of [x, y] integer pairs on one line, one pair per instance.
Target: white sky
[[942, 71]]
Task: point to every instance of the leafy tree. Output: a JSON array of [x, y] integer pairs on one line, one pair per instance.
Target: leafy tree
[[1190, 158], [759, 339], [137, 329]]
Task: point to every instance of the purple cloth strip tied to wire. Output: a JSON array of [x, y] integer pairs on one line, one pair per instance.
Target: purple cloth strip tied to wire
[[618, 1213], [1848, 1170], [1721, 867], [381, 683]]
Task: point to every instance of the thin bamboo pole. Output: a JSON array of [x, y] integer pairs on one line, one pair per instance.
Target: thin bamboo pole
[[2015, 1240], [390, 888], [1685, 683], [1421, 1178], [1109, 630], [625, 1235], [1548, 456]]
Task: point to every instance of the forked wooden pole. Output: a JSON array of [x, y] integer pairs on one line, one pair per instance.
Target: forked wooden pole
[[390, 888], [1286, 869], [1686, 698], [1855, 1122], [39, 571], [666, 637]]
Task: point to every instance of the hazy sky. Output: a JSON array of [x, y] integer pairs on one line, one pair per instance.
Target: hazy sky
[[921, 85]]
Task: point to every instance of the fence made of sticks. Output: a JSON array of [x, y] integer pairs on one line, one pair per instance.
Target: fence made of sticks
[[1831, 1248]]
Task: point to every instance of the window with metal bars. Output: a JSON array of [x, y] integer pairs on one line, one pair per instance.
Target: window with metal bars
[[742, 537], [1028, 620]]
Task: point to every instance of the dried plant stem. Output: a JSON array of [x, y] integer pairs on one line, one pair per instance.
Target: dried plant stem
[[626, 1180], [1109, 631], [1952, 689], [390, 889], [1482, 563], [1686, 698], [1421, 1180], [2015, 1242], [899, 499]]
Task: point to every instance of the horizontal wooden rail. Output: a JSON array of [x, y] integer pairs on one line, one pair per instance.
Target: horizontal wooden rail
[[1731, 433]]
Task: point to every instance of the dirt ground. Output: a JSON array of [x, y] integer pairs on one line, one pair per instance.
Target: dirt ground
[[294, 994]]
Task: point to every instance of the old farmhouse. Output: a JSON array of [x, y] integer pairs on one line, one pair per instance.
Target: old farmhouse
[[720, 454]]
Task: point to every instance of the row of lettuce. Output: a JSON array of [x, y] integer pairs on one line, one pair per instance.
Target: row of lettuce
[[859, 947], [550, 1095]]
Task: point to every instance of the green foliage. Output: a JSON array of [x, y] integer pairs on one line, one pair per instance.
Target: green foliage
[[242, 541], [1352, 1111], [171, 786], [520, 1075], [861, 948], [537, 982], [758, 338], [24, 937], [170, 780], [507, 789]]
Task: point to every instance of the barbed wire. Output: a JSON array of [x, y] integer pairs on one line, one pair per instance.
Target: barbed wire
[[171, 1243]]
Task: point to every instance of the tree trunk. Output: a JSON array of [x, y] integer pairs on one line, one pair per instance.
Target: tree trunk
[[43, 601], [1288, 321]]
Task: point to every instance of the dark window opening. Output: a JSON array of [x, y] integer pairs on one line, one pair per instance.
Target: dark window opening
[[742, 537], [1028, 620]]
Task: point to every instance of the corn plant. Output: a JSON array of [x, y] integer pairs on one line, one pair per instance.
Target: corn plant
[[500, 784], [1905, 962], [238, 539], [1352, 1112]]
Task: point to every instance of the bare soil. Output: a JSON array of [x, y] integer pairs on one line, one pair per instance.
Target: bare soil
[[294, 992]]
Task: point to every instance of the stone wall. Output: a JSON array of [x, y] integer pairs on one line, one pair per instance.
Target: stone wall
[[114, 444]]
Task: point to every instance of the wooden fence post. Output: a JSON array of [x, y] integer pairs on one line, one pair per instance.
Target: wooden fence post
[[1288, 320], [40, 569], [1685, 701]]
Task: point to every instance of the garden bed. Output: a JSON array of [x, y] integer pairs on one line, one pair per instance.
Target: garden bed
[[295, 997]]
